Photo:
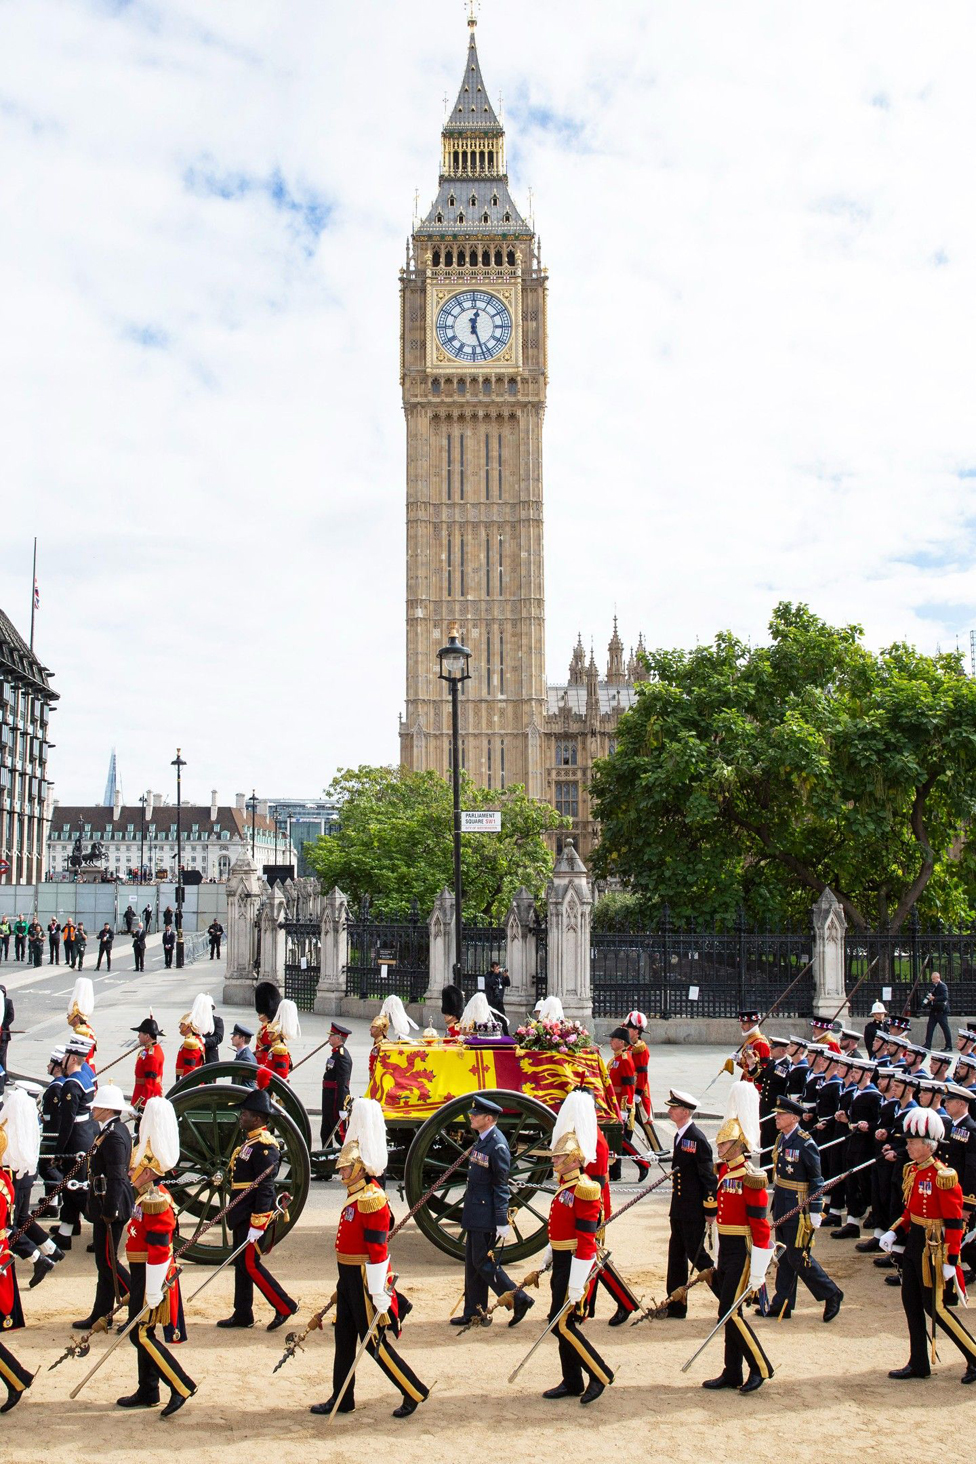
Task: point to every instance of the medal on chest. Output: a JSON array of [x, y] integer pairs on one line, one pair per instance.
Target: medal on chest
[[349, 1214]]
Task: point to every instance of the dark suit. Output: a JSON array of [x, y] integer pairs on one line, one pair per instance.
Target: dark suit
[[109, 1208], [335, 1090], [694, 1184], [484, 1213], [796, 1178], [937, 1005]]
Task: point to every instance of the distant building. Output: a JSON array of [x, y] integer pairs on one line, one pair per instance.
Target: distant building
[[212, 838], [113, 790], [26, 702], [304, 820]]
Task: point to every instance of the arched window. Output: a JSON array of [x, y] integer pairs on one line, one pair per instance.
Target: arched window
[[457, 163], [498, 258], [435, 386], [506, 218], [448, 257], [474, 200], [484, 217], [494, 200], [464, 160], [481, 160], [486, 387], [486, 256], [491, 160], [451, 201], [511, 256], [461, 218], [512, 387], [436, 259], [440, 218], [461, 258]]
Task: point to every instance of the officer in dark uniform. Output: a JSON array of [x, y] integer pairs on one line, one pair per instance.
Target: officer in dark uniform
[[77, 1131], [46, 1166], [862, 1119], [484, 1217], [771, 1082], [335, 1083], [823, 1128], [250, 1216], [109, 1204], [692, 1196], [796, 1180], [961, 1156]]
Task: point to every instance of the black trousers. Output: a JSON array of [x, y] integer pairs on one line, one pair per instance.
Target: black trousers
[[731, 1280], [481, 1271], [33, 1236], [167, 957], [214, 946], [106, 951], [616, 1288], [881, 1187], [686, 1248], [69, 952], [354, 1314], [50, 1173], [858, 1185], [156, 1362], [576, 1354], [250, 1271], [797, 1265], [940, 1020], [37, 951], [20, 947], [74, 1196], [16, 1377], [54, 941], [919, 1300], [106, 1238], [140, 958]]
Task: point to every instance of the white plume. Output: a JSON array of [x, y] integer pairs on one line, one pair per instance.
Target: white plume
[[399, 1020], [160, 1132], [287, 1021], [368, 1127], [18, 1114], [82, 998], [201, 1017], [550, 1009], [924, 1123], [477, 1010], [577, 1113], [743, 1104]]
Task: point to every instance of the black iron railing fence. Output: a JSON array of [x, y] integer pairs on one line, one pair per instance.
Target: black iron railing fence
[[387, 956], [902, 974]]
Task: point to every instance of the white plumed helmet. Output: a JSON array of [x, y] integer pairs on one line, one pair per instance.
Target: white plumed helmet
[[365, 1137], [924, 1123], [741, 1116], [18, 1115], [399, 1020], [286, 1020], [158, 1145], [577, 1114], [82, 1002], [550, 1009]]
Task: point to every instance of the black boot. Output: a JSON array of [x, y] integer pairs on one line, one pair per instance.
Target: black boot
[[619, 1317], [346, 1406], [520, 1306], [408, 1406], [753, 1381], [563, 1390], [721, 1382], [138, 1399], [43, 1266], [176, 1401], [593, 1390]]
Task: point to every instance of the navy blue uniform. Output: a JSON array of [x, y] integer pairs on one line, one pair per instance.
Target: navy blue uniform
[[77, 1131], [692, 1203], [796, 1179], [484, 1213]]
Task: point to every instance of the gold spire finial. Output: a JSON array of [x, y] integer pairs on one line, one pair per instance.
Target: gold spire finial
[[473, 13]]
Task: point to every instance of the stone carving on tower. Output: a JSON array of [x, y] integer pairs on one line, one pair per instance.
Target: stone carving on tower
[[473, 376]]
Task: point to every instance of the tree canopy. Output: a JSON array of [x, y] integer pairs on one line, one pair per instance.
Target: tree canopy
[[395, 842], [759, 775]]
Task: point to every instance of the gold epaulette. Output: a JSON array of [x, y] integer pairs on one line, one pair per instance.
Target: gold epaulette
[[371, 1200], [639, 1046], [263, 1136], [279, 1048], [947, 1178], [587, 1188], [193, 1042], [154, 1203], [752, 1179]]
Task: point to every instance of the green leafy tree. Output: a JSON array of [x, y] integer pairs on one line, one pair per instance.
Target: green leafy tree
[[395, 842], [761, 775]]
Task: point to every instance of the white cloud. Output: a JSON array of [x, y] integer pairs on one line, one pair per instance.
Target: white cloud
[[761, 241]]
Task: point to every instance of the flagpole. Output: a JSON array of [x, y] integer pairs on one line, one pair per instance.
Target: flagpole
[[33, 594]]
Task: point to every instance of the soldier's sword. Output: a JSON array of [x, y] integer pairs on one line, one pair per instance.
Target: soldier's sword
[[739, 1302], [567, 1306], [279, 1209], [169, 1282], [371, 1333]]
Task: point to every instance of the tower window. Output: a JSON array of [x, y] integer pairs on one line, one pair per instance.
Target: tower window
[[499, 467], [501, 678], [566, 753], [435, 386], [481, 159], [449, 482], [457, 164], [464, 160], [494, 200], [513, 387], [461, 257], [488, 567], [486, 387], [440, 218], [437, 253], [448, 566], [498, 258], [501, 763], [507, 219], [461, 221], [500, 589], [449, 257], [462, 386], [461, 565], [511, 254], [484, 220], [474, 200], [567, 800], [487, 463], [451, 202], [486, 253], [488, 779], [491, 160]]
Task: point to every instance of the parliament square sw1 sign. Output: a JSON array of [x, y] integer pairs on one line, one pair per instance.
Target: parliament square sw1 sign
[[482, 821]]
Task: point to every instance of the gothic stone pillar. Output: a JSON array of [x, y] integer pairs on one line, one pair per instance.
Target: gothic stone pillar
[[521, 954], [829, 927], [335, 954], [570, 903], [243, 894], [441, 948], [273, 937]]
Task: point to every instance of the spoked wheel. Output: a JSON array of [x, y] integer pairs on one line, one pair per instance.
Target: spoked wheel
[[281, 1092], [527, 1126], [200, 1185]]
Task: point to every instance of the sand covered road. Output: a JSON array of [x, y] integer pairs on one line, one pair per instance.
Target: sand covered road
[[830, 1382]]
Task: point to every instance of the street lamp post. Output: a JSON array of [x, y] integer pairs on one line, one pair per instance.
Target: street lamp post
[[179, 763], [142, 839], [453, 659], [252, 804]]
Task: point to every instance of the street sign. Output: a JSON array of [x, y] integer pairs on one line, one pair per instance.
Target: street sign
[[482, 821], [4, 866]]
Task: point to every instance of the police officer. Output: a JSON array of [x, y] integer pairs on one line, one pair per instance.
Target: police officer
[[796, 1181], [109, 1203], [216, 933], [692, 1196], [484, 1217], [335, 1083]]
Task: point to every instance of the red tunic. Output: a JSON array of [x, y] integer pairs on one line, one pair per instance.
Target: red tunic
[[149, 1076], [623, 1080], [11, 1316], [640, 1052], [933, 1192], [263, 1044], [279, 1060], [190, 1056], [600, 1171], [742, 1203], [759, 1051], [364, 1226], [575, 1217], [149, 1239]]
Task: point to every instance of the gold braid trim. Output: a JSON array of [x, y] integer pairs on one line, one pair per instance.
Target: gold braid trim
[[947, 1179], [371, 1200], [752, 1180], [588, 1189]]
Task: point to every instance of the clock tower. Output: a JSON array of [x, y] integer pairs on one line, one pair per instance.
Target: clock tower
[[473, 374]]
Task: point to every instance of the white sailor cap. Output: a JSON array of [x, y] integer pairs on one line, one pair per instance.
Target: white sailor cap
[[679, 1099]]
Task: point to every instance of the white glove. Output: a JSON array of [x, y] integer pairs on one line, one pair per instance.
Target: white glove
[[888, 1241], [254, 1233], [155, 1277], [503, 1234], [758, 1266], [546, 1258], [376, 1275], [816, 1221], [948, 1272], [579, 1274]]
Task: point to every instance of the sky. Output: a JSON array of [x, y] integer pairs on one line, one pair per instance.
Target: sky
[[760, 230]]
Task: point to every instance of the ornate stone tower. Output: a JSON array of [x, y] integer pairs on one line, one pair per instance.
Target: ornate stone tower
[[473, 373]]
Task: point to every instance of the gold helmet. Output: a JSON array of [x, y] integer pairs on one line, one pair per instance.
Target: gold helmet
[[158, 1146], [3, 1137], [567, 1146], [380, 1025]]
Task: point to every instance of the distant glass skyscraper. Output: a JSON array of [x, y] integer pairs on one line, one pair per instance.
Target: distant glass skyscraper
[[112, 783]]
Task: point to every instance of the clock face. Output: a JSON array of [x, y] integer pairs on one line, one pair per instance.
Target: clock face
[[474, 326]]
